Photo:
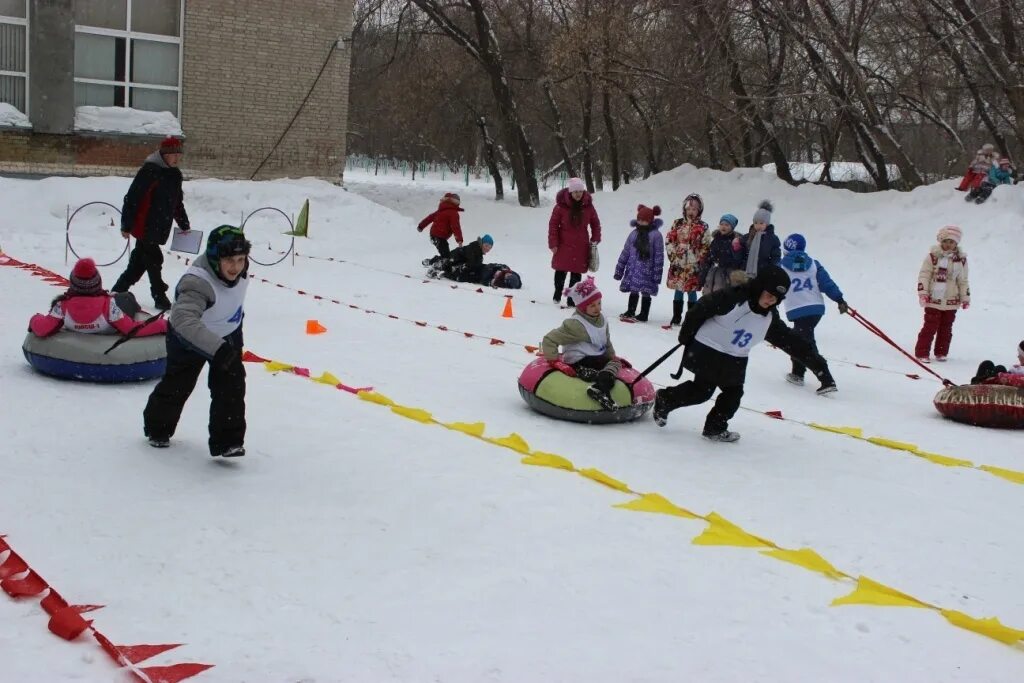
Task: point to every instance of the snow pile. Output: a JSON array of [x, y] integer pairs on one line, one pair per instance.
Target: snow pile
[[9, 116], [840, 171], [126, 120]]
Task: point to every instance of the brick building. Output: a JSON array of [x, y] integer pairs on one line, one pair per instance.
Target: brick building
[[233, 72]]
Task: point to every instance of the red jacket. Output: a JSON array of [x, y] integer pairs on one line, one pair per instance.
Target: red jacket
[[91, 315], [444, 222], [572, 240]]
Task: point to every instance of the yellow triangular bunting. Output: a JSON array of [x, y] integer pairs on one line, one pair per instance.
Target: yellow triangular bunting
[[870, 592], [987, 627], [548, 460], [856, 432], [275, 366], [602, 478], [806, 558], [944, 460], [327, 378], [653, 502], [513, 441], [374, 397], [1010, 475], [895, 445], [417, 414], [471, 428], [721, 531]]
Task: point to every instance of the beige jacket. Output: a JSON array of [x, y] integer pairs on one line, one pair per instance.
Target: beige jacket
[[943, 278]]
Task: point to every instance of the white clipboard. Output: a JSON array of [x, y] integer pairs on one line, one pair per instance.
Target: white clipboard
[[187, 241]]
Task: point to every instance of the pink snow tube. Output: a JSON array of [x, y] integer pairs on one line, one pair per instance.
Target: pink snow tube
[[555, 394]]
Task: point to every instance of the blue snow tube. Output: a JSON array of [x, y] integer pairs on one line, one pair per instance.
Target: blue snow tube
[[77, 356]]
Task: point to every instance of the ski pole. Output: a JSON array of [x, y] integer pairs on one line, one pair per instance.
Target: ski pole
[[877, 331], [660, 360], [134, 332]]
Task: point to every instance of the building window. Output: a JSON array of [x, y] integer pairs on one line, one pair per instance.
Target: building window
[[14, 53], [128, 53]]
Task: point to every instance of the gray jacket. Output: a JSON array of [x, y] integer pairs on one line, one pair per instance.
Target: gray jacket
[[193, 296]]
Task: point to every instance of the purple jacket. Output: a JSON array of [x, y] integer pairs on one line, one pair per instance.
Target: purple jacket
[[641, 275]]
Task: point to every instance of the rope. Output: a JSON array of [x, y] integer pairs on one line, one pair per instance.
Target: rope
[[874, 329]]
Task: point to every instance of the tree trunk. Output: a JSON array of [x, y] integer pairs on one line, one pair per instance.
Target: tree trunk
[[652, 162], [588, 125], [490, 158], [613, 141], [558, 128]]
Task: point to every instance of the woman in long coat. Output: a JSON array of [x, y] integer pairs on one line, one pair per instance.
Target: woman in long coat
[[573, 227]]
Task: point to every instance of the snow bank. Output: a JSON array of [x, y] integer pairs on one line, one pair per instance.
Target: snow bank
[[126, 120], [9, 116], [841, 171]]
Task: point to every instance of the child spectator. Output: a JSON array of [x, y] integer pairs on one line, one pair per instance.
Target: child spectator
[[686, 246], [942, 287], [641, 262], [761, 244], [726, 259]]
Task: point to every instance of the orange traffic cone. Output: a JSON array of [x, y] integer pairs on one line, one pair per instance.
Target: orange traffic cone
[[314, 327], [507, 313]]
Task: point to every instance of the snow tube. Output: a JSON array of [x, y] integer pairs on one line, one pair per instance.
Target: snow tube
[[73, 355], [983, 405], [555, 394]]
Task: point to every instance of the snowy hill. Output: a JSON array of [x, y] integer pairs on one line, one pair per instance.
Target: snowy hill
[[357, 544]]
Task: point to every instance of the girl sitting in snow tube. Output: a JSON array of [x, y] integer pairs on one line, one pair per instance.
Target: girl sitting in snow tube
[[73, 339], [589, 383], [994, 398]]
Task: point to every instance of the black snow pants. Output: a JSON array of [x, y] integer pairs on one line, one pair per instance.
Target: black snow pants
[[145, 258]]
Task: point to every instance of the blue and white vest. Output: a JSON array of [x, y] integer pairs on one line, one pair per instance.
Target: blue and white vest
[[736, 332], [225, 315], [804, 293], [597, 345]]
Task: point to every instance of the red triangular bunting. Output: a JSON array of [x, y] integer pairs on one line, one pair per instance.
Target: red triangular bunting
[[140, 653], [496, 342], [301, 372], [32, 584], [250, 357], [82, 609], [67, 623], [108, 647], [3, 544], [12, 565], [531, 349], [53, 602], [174, 673], [777, 414]]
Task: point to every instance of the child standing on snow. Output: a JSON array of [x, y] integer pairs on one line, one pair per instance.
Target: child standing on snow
[[805, 304], [641, 263], [942, 288], [206, 327], [587, 351], [686, 246], [719, 331], [761, 244], [724, 264], [88, 308], [443, 224]]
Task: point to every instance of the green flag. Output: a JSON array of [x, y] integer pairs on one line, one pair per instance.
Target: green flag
[[302, 224]]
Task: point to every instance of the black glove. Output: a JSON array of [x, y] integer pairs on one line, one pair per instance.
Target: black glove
[[226, 357], [685, 336], [843, 307]]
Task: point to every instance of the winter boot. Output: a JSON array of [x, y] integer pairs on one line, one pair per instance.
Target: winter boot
[[231, 452], [661, 409], [796, 379], [603, 397], [630, 314], [724, 436], [677, 312], [161, 301], [645, 309], [827, 388], [157, 442]]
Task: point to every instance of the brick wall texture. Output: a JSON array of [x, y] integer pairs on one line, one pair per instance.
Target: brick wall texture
[[247, 66]]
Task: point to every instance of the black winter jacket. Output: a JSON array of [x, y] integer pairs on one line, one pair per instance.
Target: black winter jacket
[[153, 201]]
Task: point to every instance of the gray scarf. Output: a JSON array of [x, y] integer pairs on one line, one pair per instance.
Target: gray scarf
[[754, 253]]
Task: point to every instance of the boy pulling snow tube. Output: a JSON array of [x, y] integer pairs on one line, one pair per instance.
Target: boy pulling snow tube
[[555, 394], [72, 355], [983, 405]]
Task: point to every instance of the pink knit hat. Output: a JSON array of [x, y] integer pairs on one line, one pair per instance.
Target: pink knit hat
[[950, 232], [577, 185], [584, 293]]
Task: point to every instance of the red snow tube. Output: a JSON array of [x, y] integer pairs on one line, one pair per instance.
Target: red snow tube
[[983, 405]]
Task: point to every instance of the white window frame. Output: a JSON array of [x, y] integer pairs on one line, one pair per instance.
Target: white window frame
[[129, 35], [18, 21]]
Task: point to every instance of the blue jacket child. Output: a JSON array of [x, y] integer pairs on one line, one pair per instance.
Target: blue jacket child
[[805, 303]]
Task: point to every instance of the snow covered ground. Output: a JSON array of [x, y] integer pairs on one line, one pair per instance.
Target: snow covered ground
[[354, 544]]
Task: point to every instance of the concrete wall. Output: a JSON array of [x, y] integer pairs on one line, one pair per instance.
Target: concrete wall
[[52, 65], [248, 66]]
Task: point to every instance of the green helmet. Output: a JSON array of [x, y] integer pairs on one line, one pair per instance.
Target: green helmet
[[225, 240]]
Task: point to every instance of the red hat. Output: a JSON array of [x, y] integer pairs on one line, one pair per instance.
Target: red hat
[[170, 145], [452, 197], [583, 293], [645, 214], [85, 279], [1005, 161]]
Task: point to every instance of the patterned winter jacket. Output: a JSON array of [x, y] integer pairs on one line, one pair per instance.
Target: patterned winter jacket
[[641, 275], [686, 246], [943, 279]]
